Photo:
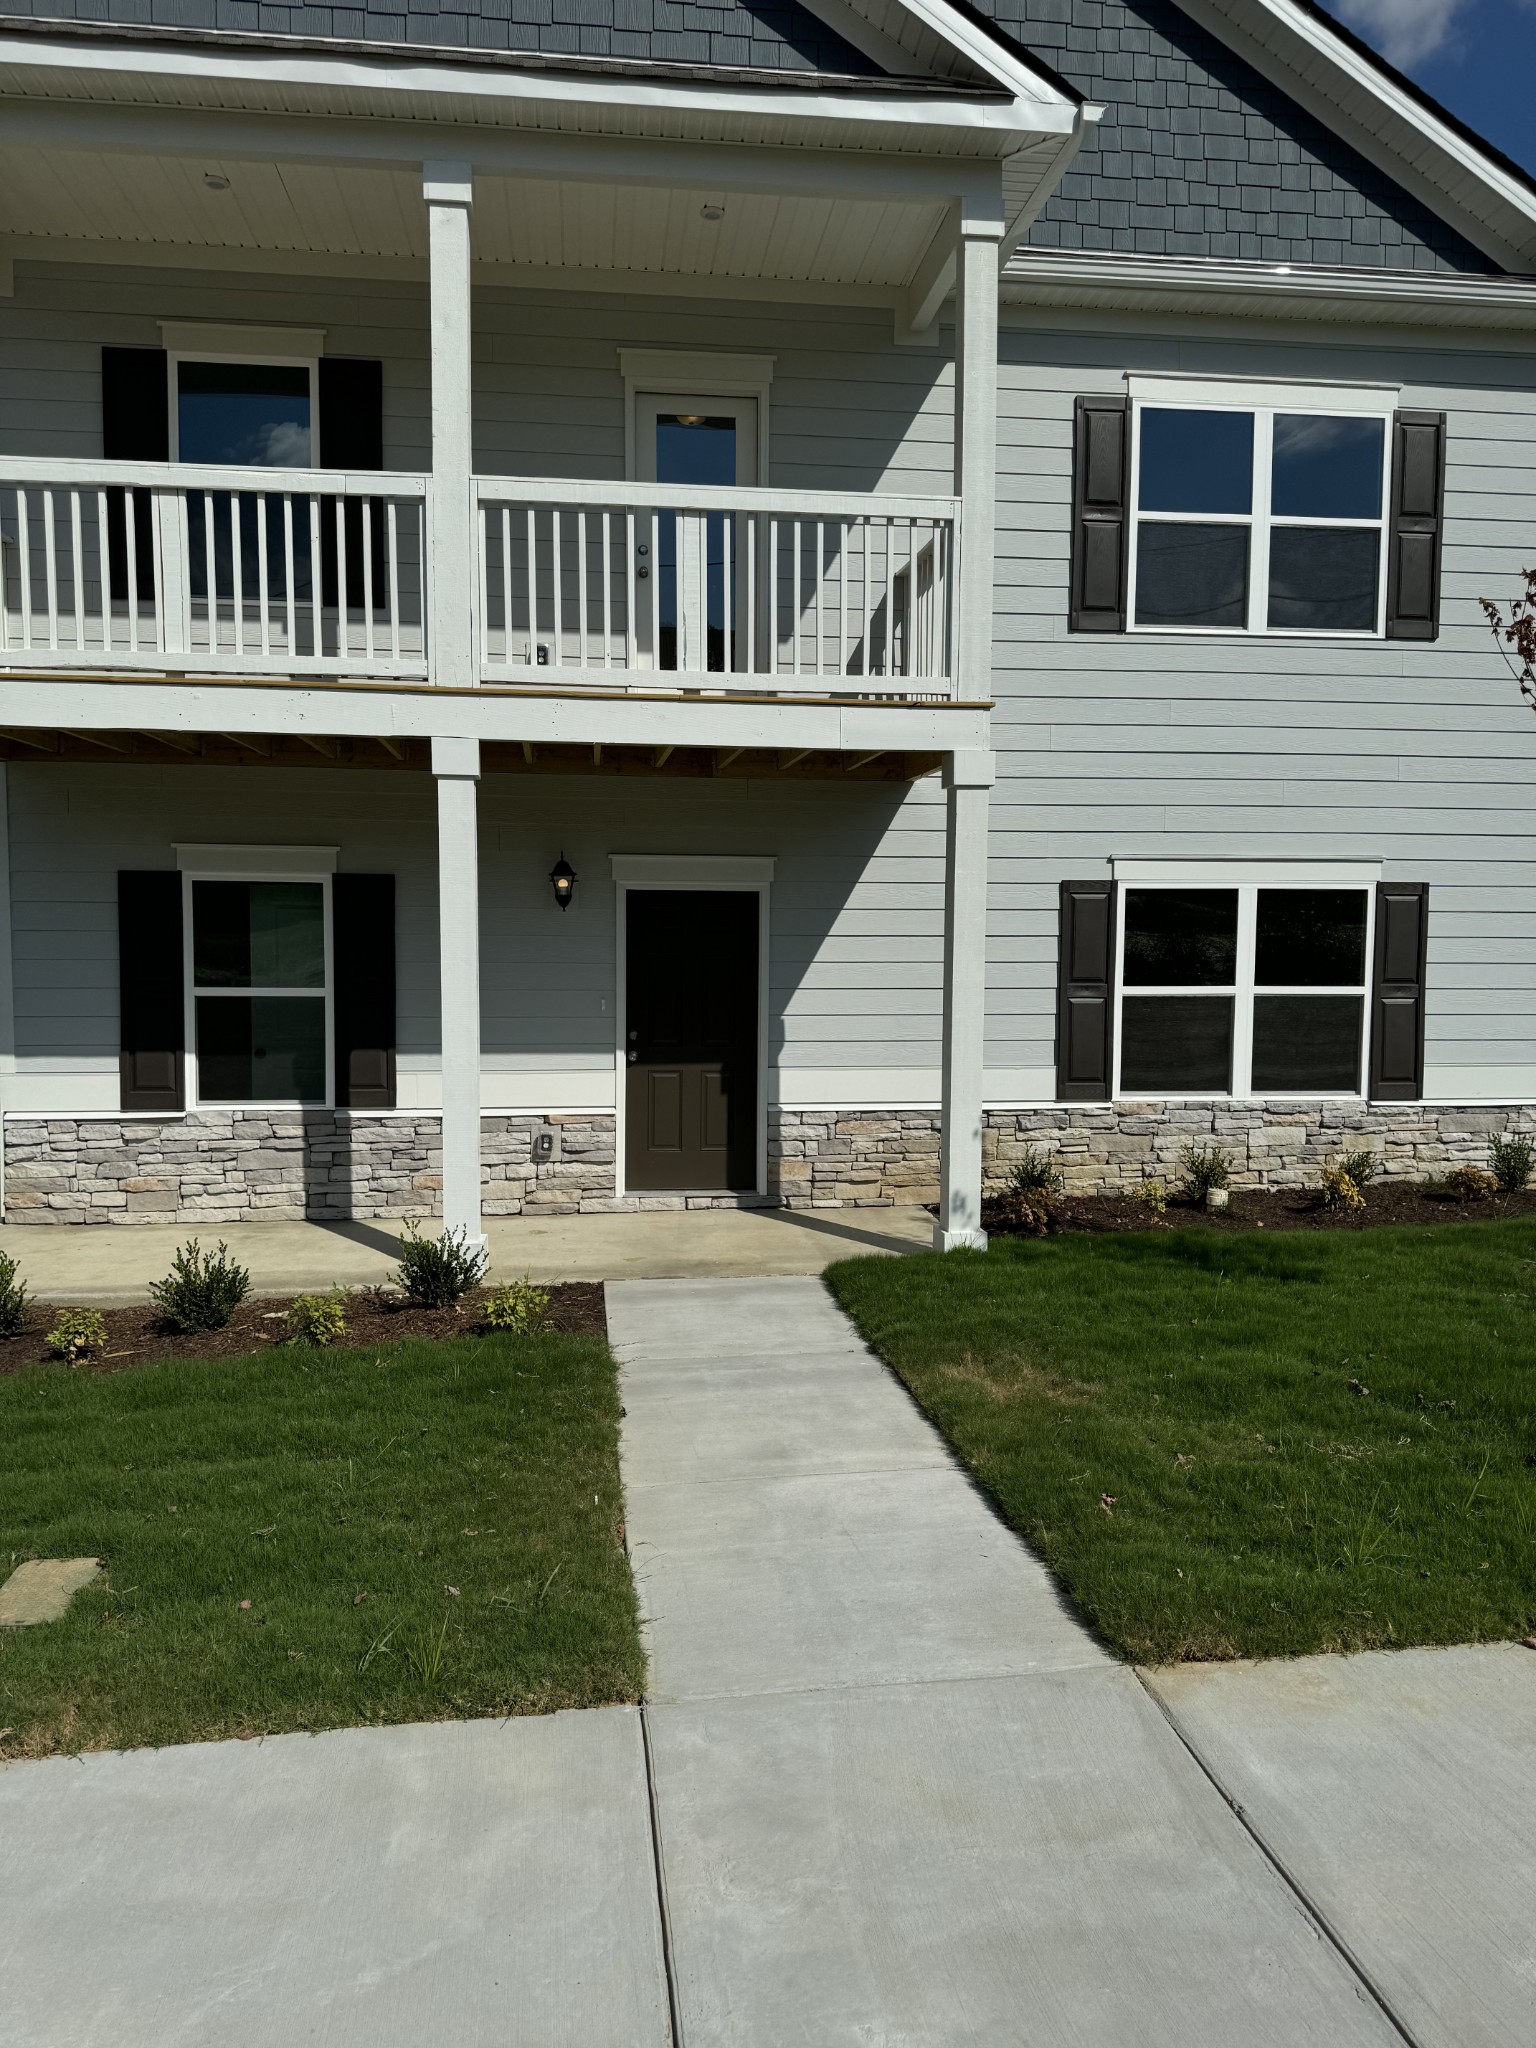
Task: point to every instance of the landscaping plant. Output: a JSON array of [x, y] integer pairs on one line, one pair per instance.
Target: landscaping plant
[[1362, 1165], [1154, 1195], [1034, 1174], [435, 1272], [1465, 1184], [1201, 1168], [13, 1298], [1513, 1159], [317, 1318], [518, 1306], [202, 1289], [1341, 1190], [76, 1334]]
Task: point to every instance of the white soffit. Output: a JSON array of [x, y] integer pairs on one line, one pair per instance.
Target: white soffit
[[1300, 51]]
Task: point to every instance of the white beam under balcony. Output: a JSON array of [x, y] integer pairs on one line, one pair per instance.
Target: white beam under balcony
[[448, 189]]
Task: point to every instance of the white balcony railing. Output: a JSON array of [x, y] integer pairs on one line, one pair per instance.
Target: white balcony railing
[[651, 586], [239, 571]]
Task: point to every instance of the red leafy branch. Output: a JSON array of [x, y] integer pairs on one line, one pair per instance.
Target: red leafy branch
[[1514, 627]]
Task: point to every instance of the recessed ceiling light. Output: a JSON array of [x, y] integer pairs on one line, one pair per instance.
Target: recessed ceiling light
[[216, 181]]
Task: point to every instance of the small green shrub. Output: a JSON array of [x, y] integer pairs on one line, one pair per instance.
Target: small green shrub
[[1362, 1166], [1201, 1168], [1513, 1161], [1464, 1184], [77, 1333], [202, 1289], [318, 1318], [518, 1306], [13, 1298], [1154, 1194], [436, 1271], [1034, 1174]]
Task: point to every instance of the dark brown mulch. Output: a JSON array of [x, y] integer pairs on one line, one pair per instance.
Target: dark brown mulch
[[374, 1316], [1261, 1209]]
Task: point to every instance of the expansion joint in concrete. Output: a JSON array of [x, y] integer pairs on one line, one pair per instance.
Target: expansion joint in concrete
[[1370, 1990]]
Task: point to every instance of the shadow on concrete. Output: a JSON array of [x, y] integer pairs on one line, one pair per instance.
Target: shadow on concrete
[[859, 1234], [372, 1235]]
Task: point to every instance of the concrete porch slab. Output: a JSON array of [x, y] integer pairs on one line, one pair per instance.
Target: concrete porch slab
[[477, 1883], [1398, 1789], [106, 1263]]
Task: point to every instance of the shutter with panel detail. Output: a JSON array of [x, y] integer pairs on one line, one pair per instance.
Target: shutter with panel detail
[[363, 945], [151, 1006], [1085, 1012], [1414, 530], [135, 427], [351, 436], [1100, 482], [1397, 991]]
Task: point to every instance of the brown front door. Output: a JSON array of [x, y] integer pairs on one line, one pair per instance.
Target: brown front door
[[691, 1019]]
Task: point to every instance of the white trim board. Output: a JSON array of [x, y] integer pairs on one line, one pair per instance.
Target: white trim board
[[693, 870], [1228, 874], [702, 373], [254, 861], [241, 344], [1189, 387]]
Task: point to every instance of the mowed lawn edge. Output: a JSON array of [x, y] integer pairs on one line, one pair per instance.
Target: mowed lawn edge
[[308, 1539], [1242, 1447]]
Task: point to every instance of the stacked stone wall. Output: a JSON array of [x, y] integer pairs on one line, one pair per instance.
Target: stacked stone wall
[[246, 1166]]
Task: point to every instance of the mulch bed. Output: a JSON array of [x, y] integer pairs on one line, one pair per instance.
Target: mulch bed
[[374, 1316], [1263, 1209]]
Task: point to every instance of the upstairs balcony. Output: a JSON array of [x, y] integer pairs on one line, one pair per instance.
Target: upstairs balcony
[[172, 570]]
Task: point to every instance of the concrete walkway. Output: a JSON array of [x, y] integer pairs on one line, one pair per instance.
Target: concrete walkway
[[887, 1794], [107, 1263], [902, 1796]]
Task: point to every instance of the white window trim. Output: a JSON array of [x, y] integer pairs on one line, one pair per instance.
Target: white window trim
[[1263, 399], [198, 349], [705, 373], [245, 869], [1247, 878], [742, 873]]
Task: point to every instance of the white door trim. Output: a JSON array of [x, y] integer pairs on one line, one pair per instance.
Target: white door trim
[[691, 373], [740, 874]]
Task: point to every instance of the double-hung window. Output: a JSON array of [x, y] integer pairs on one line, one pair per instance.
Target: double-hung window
[[260, 989], [1248, 989], [1259, 518]]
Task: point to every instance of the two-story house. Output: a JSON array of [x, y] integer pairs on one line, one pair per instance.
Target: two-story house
[[637, 602]]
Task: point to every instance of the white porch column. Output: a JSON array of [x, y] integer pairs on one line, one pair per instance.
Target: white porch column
[[976, 263], [451, 543], [967, 779], [456, 765]]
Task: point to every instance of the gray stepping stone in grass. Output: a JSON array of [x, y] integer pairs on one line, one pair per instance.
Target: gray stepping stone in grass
[[42, 1588]]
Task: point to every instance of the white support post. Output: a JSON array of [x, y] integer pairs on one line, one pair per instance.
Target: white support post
[[967, 779], [453, 545], [456, 765], [976, 448], [7, 973]]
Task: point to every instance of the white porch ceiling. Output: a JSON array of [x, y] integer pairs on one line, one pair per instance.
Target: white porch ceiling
[[89, 196]]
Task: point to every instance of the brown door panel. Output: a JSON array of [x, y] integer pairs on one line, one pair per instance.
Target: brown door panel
[[691, 1101]]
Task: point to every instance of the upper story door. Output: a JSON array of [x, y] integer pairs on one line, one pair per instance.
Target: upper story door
[[700, 557]]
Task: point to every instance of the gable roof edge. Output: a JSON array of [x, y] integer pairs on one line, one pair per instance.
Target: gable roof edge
[[1300, 48]]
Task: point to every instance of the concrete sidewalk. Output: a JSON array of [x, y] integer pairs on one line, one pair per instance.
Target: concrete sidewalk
[[107, 1263], [902, 1796]]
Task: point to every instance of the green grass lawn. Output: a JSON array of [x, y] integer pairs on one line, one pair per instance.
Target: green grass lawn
[[1243, 1447], [340, 1494]]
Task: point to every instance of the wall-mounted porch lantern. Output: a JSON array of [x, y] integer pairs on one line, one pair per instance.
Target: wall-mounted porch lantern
[[562, 879]]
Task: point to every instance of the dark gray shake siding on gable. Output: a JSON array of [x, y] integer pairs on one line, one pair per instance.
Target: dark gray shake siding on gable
[[1198, 155], [775, 35]]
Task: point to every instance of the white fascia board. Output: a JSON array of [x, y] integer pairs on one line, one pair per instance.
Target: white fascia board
[[393, 75], [980, 52], [1173, 284], [1390, 127], [490, 714]]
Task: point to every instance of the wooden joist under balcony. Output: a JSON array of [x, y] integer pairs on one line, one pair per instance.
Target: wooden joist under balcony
[[499, 757]]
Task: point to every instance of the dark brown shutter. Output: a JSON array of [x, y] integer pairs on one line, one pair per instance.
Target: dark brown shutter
[[352, 437], [363, 951], [1085, 1013], [1397, 991], [1100, 481], [151, 1000], [135, 427], [1413, 536]]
